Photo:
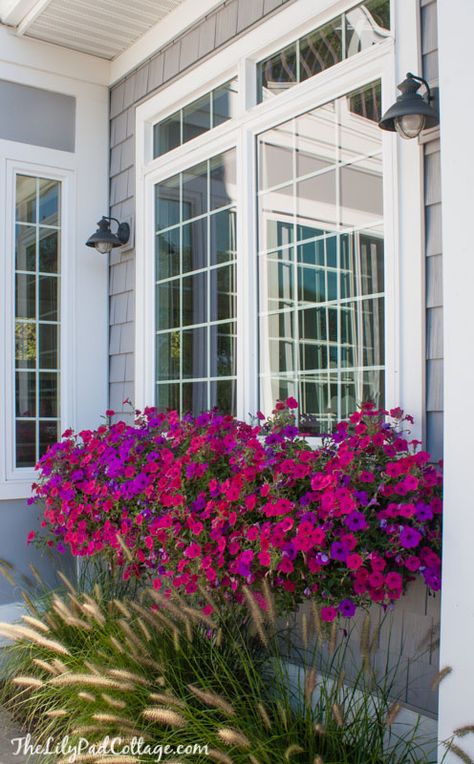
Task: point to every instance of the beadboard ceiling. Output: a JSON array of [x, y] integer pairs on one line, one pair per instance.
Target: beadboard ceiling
[[103, 28]]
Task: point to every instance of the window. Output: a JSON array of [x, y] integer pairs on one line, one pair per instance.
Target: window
[[37, 316], [263, 265], [196, 118], [355, 30], [321, 260], [195, 294]]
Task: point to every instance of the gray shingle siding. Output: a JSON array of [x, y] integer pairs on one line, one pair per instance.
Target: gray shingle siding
[[433, 247], [228, 20]]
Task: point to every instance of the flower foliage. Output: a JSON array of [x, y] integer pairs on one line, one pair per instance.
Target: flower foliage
[[210, 503]]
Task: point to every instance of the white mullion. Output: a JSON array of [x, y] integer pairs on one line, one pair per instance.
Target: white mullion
[[337, 131], [37, 360], [209, 301], [296, 313]]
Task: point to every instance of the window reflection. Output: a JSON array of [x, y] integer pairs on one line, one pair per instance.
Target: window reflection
[[321, 261], [346, 35], [37, 316], [196, 288]]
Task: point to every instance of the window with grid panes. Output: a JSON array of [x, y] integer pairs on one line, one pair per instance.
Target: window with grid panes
[[37, 317]]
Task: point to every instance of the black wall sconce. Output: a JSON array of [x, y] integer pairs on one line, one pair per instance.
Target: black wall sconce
[[104, 240], [412, 112]]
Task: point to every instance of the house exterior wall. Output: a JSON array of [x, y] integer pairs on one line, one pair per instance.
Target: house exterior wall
[[223, 25], [409, 635]]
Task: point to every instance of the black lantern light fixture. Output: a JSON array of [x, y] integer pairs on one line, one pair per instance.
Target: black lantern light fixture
[[412, 112], [104, 240]]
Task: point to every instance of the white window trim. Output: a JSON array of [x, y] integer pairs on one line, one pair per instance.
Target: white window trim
[[402, 196], [15, 482]]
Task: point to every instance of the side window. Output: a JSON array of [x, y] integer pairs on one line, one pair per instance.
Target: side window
[[37, 316]]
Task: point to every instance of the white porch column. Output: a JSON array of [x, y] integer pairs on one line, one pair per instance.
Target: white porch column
[[456, 50]]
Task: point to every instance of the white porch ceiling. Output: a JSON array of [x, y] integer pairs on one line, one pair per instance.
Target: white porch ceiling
[[103, 28]]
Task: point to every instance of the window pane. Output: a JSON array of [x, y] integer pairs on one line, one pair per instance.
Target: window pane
[[167, 305], [25, 443], [25, 345], [276, 218], [195, 353], [280, 280], [223, 350], [197, 118], [195, 191], [224, 103], [194, 245], [379, 10], [223, 237], [25, 199], [321, 49], [25, 248], [224, 396], [167, 202], [25, 297], [277, 73], [48, 434], [223, 293], [202, 293], [315, 140], [316, 199], [167, 254], [321, 337], [318, 395], [367, 102], [167, 397], [195, 397], [25, 394], [48, 394], [167, 135], [37, 312], [48, 346], [276, 157], [222, 178], [48, 251], [363, 28], [48, 202], [361, 190], [168, 353], [48, 288], [195, 299]]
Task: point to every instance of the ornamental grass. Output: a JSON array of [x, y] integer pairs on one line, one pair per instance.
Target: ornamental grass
[[187, 678]]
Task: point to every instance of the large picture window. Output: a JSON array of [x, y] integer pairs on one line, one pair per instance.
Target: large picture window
[[321, 259], [37, 316], [300, 191], [195, 294]]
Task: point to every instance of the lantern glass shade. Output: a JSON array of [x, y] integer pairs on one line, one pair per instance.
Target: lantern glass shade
[[104, 247], [410, 125]]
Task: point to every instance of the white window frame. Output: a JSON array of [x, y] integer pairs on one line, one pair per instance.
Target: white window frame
[[403, 203], [16, 481]]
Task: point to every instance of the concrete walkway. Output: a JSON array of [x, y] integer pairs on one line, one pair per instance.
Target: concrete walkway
[[9, 731]]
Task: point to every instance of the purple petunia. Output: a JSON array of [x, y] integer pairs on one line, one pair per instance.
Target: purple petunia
[[410, 537], [347, 608], [356, 521]]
